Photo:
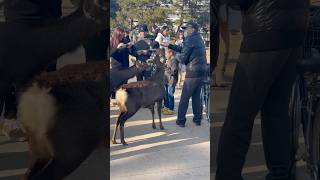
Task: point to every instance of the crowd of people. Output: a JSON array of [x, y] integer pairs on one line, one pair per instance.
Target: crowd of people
[[185, 63]]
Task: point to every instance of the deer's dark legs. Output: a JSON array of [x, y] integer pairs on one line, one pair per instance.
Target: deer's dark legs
[[4, 89], [122, 120], [36, 167], [159, 105], [152, 112], [57, 169], [114, 141]]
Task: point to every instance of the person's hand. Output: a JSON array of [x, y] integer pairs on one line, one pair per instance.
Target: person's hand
[[165, 44], [142, 52], [121, 45], [130, 44]]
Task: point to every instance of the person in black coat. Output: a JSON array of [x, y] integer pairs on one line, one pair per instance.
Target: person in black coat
[[120, 51], [273, 33], [96, 47], [193, 55], [31, 13], [143, 42]]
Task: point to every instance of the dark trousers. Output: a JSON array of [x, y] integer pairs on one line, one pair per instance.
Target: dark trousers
[[191, 89], [169, 96], [262, 81], [10, 104]]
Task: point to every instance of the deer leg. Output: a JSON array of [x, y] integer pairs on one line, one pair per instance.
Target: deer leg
[[122, 134], [57, 169], [36, 168], [114, 141], [152, 112], [122, 120], [159, 113]]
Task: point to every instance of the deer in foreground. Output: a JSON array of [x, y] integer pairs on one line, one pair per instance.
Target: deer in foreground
[[64, 114], [26, 51], [142, 94]]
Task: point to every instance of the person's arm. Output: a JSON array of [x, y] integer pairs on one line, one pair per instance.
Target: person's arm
[[176, 48], [185, 50], [133, 51], [113, 51]]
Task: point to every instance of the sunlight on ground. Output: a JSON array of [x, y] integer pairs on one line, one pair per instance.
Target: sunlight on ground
[[143, 137], [147, 121], [146, 146]]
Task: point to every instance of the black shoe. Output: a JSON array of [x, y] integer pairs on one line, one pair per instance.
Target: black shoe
[[180, 124]]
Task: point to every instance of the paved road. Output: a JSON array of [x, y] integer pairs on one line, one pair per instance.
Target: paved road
[[171, 154], [14, 161]]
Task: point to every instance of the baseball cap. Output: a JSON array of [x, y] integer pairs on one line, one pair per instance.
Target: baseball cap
[[143, 28], [190, 24]]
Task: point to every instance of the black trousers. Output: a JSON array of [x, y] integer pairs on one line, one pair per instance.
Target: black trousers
[[262, 81], [191, 89], [10, 104]]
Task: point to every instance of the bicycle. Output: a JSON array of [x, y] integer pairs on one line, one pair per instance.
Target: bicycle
[[205, 95], [304, 108]]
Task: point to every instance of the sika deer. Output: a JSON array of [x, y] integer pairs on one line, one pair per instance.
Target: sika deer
[[64, 114], [26, 51], [142, 94]]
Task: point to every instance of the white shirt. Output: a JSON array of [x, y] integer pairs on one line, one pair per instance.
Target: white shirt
[[162, 39]]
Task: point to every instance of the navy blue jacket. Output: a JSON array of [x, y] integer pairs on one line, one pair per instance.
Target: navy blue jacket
[[193, 55]]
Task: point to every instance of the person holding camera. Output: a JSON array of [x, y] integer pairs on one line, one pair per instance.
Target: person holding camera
[[120, 50], [143, 43], [193, 55]]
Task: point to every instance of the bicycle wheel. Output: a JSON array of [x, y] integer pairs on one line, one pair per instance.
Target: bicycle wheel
[[295, 112], [206, 100]]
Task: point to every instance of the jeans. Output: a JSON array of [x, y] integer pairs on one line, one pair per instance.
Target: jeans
[[169, 96], [262, 82], [191, 89]]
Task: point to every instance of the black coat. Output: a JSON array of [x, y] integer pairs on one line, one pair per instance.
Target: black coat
[[193, 55], [121, 55], [96, 47], [32, 11], [272, 24]]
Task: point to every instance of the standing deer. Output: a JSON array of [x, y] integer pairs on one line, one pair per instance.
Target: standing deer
[[64, 114], [26, 51], [142, 94]]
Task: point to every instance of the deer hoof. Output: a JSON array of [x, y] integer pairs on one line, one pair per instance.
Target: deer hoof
[[114, 142], [154, 126], [124, 143], [161, 127]]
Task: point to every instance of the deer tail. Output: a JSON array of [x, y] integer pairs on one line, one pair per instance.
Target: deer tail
[[37, 109], [122, 97]]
